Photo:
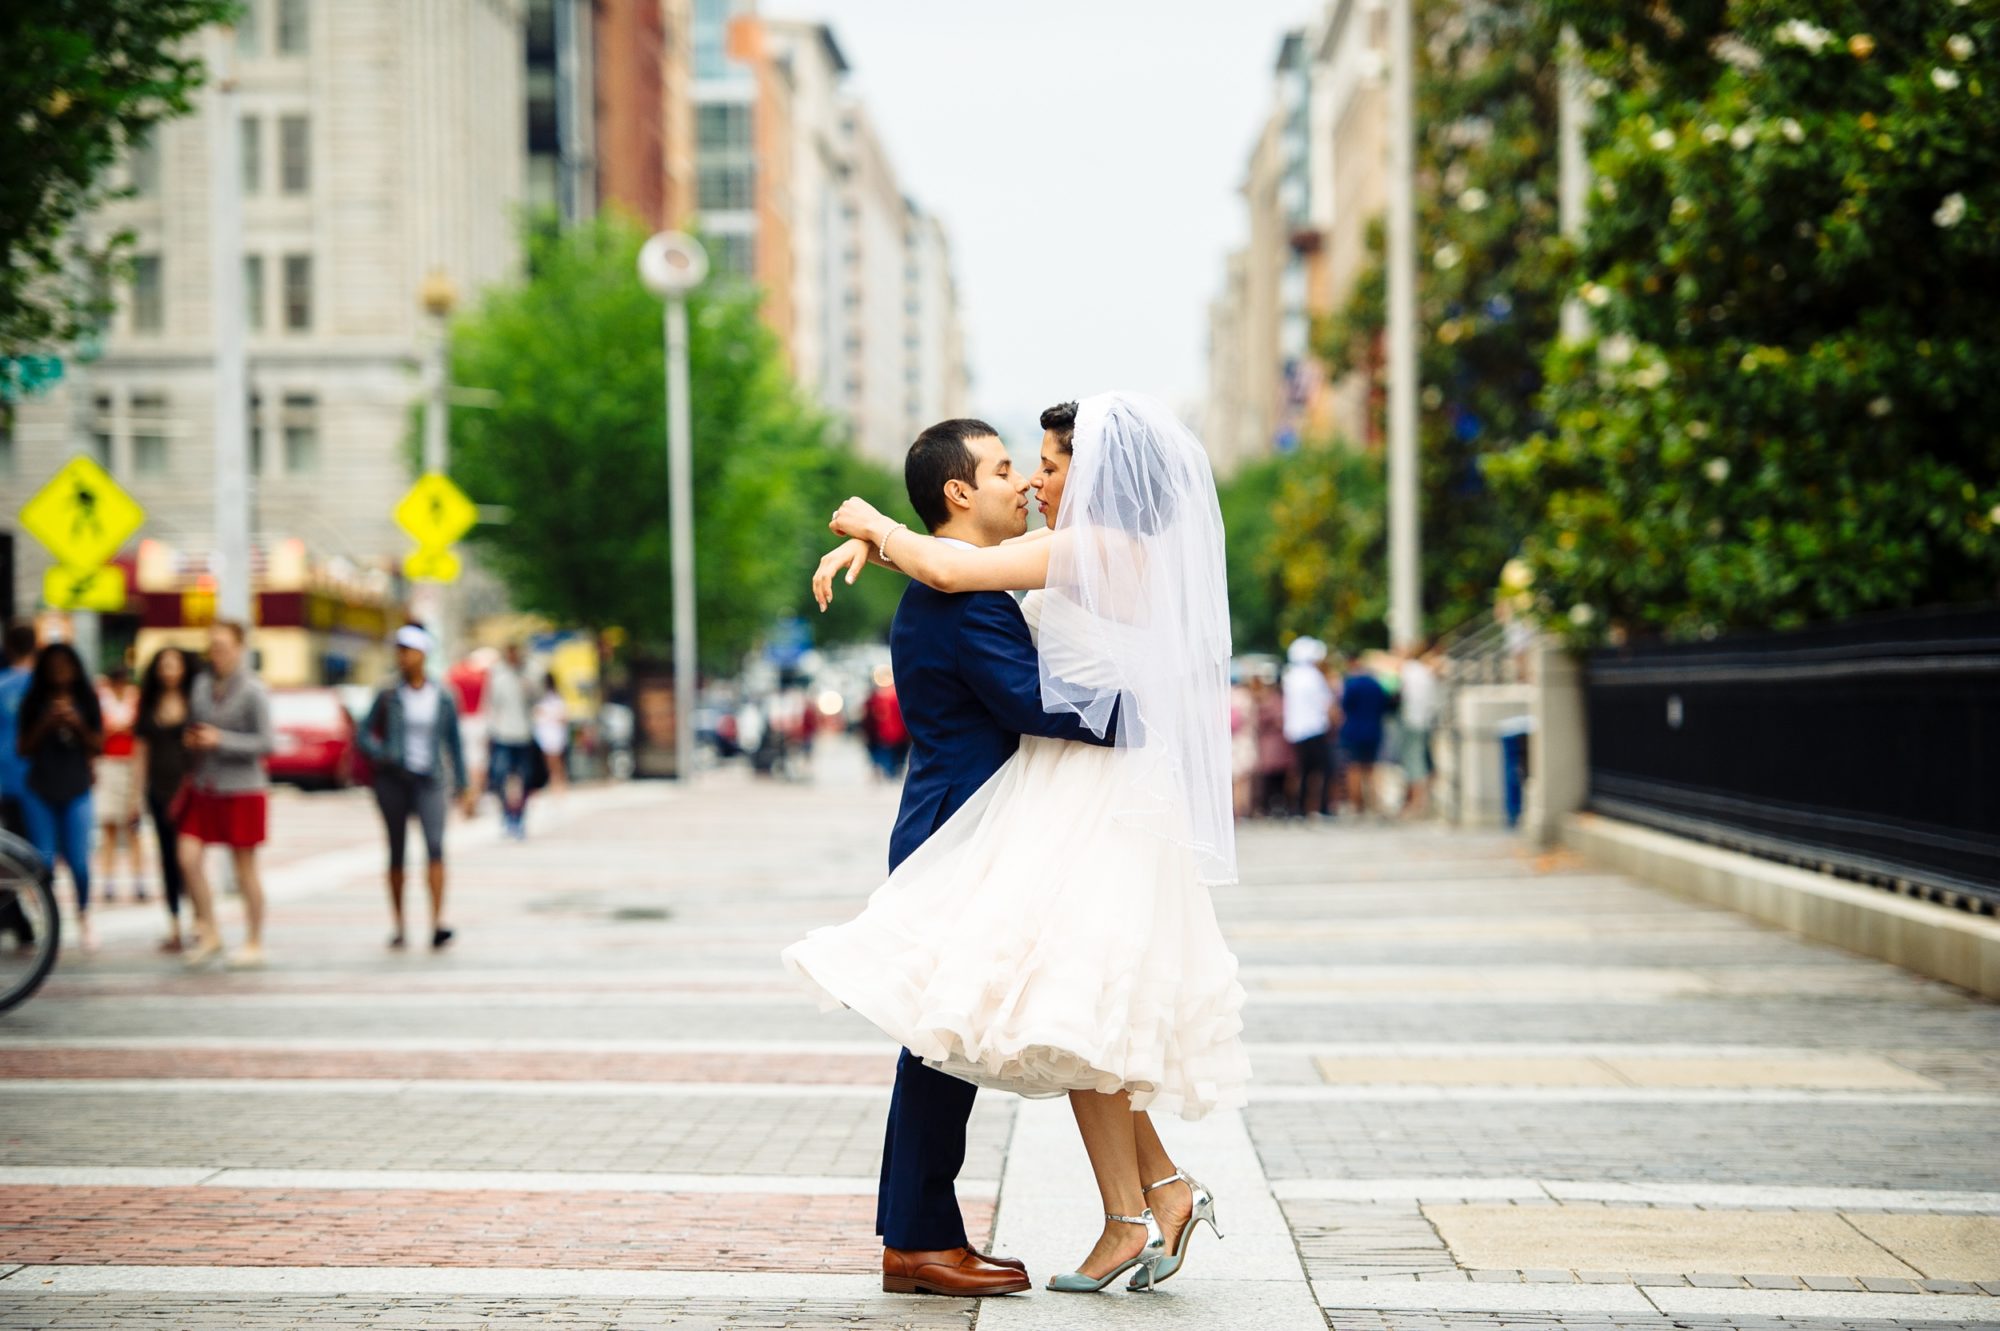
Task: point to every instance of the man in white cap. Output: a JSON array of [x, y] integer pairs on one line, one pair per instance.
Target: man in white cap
[[1309, 726], [411, 736]]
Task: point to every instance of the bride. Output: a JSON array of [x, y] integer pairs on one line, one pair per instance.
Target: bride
[[1056, 935]]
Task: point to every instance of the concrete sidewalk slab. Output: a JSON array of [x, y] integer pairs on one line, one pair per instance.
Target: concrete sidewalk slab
[[1624, 1238]]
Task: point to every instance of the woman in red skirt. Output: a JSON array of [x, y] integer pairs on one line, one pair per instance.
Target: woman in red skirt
[[223, 802]]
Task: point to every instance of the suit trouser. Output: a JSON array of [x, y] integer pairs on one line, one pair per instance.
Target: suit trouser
[[922, 1152]]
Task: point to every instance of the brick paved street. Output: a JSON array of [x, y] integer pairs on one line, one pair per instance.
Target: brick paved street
[[1494, 1089]]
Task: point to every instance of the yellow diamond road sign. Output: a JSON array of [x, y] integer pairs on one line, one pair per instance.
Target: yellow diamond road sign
[[435, 512], [431, 566], [81, 515], [85, 589]]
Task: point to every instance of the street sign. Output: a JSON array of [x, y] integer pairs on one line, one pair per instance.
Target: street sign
[[85, 589], [431, 566], [435, 512], [82, 515]]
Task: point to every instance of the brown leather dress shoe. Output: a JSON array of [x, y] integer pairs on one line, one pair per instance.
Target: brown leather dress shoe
[[1014, 1262], [954, 1272]]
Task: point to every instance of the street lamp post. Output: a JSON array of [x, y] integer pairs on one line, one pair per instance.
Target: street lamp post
[[438, 297], [225, 286], [671, 264], [1406, 614]]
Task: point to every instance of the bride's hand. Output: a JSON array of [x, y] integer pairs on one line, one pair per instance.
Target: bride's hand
[[859, 518], [850, 555]]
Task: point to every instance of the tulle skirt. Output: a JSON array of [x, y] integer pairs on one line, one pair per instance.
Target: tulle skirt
[[1051, 936]]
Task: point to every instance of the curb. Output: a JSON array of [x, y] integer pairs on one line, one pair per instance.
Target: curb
[[1935, 941]]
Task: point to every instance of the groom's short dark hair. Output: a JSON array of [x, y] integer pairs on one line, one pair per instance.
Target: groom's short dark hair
[[940, 455]]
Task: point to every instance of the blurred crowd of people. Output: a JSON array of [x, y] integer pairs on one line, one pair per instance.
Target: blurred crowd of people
[[1308, 739], [87, 765]]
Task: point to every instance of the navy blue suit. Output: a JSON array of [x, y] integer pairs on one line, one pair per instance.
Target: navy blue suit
[[970, 687]]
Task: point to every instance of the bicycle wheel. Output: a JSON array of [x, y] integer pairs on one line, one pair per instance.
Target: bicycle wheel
[[30, 928]]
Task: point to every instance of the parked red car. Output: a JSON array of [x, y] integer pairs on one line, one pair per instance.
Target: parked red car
[[314, 738]]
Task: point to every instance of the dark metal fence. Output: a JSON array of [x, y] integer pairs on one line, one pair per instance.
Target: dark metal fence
[[1870, 748]]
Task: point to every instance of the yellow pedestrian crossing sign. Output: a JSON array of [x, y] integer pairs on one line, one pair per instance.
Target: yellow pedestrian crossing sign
[[82, 515], [85, 589], [435, 512], [431, 566]]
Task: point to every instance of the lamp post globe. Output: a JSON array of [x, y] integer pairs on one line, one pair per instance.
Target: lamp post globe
[[672, 263], [438, 294]]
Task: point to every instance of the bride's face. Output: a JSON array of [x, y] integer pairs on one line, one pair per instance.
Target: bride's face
[[1049, 477]]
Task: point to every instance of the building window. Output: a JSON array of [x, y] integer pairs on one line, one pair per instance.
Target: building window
[[723, 128], [294, 155], [144, 165], [300, 423], [6, 439], [253, 292], [724, 188], [298, 293], [251, 131], [253, 426], [100, 430], [148, 314], [292, 19], [149, 434], [247, 35], [733, 255]]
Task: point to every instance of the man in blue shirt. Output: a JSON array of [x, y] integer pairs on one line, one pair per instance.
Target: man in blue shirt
[[20, 648], [14, 680], [1363, 705]]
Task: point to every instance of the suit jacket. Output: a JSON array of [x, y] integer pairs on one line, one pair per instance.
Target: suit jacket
[[970, 686]]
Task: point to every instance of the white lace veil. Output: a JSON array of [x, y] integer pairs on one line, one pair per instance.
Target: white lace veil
[[1137, 612]]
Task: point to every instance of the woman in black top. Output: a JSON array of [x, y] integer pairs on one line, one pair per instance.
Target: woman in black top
[[61, 731], [160, 760]]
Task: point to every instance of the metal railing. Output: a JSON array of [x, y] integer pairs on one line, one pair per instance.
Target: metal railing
[[1870, 749]]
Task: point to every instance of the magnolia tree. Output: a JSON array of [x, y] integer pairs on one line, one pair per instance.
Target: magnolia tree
[[1789, 408]]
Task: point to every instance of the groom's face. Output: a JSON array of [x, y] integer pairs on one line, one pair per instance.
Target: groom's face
[[999, 500]]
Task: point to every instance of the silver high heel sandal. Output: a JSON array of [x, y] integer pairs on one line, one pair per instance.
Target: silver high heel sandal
[[1076, 1282], [1171, 1259]]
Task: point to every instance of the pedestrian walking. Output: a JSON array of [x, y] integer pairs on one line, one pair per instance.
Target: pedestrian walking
[[511, 757], [1308, 727], [15, 675], [1364, 704], [160, 760], [1243, 749], [1417, 715], [1274, 752], [412, 738], [883, 727], [224, 801], [61, 732], [116, 795], [551, 717]]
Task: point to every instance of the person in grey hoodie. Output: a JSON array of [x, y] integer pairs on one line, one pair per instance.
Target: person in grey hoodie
[[223, 801]]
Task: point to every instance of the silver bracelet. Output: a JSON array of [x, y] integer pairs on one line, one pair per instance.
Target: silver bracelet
[[882, 546]]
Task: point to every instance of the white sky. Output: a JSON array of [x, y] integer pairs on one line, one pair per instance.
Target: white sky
[[1085, 156]]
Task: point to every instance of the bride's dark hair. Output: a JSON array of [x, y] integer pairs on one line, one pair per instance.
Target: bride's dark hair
[[1060, 420]]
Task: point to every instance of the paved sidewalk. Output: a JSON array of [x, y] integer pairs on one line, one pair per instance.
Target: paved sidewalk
[[1493, 1089]]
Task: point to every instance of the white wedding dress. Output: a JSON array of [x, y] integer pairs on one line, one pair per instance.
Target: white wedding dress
[[1053, 935]]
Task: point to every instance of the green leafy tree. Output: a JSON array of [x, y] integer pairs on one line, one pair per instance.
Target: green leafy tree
[[1787, 411], [81, 81], [574, 446], [1328, 546], [1248, 499], [1488, 287]]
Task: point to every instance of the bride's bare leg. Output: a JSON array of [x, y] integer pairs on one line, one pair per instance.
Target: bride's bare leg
[[1106, 1122], [1172, 1204]]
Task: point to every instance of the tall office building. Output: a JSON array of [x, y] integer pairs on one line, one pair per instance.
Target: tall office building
[[371, 156]]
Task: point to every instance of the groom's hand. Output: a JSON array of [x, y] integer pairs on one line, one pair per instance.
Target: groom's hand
[[849, 555]]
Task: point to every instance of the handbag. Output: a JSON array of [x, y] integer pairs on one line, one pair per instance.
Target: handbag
[[538, 768], [181, 801]]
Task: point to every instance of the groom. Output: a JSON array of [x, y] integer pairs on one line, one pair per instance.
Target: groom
[[970, 687]]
